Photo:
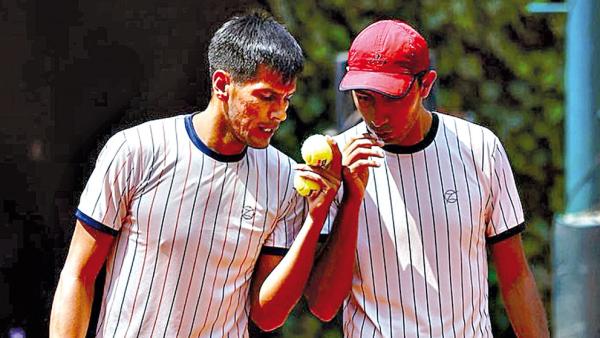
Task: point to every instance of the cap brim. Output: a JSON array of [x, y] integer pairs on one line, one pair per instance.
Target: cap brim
[[394, 85]]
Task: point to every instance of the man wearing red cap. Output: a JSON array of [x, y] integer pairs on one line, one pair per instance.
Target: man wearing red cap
[[424, 196]]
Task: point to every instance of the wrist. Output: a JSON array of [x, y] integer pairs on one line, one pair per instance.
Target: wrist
[[353, 197], [318, 214], [353, 188]]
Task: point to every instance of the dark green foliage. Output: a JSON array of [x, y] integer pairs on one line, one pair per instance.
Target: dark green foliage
[[495, 62]]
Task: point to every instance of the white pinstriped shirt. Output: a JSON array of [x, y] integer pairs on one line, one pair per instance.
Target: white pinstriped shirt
[[189, 225], [428, 212]]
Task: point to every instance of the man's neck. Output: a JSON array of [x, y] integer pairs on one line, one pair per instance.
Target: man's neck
[[419, 130], [214, 130]]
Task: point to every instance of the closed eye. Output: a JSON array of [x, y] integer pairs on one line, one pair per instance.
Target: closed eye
[[361, 97], [267, 97]]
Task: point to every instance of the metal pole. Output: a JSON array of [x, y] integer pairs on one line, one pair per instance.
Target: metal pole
[[583, 105], [576, 253]]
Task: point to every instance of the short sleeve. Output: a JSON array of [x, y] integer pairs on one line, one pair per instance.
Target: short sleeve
[[504, 211], [287, 226], [104, 202]]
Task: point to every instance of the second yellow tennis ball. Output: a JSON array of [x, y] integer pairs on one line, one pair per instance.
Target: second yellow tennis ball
[[304, 186], [316, 151]]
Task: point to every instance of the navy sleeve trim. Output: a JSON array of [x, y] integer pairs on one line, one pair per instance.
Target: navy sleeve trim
[[323, 238], [271, 250], [95, 224], [507, 234]]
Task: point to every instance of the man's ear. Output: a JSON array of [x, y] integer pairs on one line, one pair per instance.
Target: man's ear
[[221, 81], [427, 83]]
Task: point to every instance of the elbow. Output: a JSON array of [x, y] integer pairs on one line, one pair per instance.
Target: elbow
[[267, 321], [324, 312], [324, 304], [267, 325]]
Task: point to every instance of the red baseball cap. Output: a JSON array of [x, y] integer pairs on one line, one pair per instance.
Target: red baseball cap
[[385, 57]]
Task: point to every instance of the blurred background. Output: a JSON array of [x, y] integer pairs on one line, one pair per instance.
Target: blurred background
[[76, 71]]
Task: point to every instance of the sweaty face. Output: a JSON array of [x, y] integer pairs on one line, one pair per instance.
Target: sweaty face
[[258, 106], [391, 119]]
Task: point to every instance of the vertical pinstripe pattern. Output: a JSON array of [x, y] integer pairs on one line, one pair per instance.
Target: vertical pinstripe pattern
[[460, 226], [410, 254], [482, 257], [449, 265], [469, 204], [435, 242], [167, 203], [479, 235], [423, 244], [136, 241], [385, 272], [189, 228], [428, 212], [402, 313]]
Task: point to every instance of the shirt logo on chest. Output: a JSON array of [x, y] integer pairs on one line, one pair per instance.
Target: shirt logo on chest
[[248, 212], [450, 196]]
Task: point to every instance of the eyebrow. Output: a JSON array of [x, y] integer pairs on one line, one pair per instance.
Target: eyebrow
[[272, 91]]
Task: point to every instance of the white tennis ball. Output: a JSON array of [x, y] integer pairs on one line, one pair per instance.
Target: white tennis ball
[[304, 186], [316, 151]]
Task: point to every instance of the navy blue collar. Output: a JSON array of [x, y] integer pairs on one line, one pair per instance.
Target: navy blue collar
[[189, 127], [429, 137]]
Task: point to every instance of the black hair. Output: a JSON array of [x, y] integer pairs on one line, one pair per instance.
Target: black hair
[[245, 42], [420, 75]]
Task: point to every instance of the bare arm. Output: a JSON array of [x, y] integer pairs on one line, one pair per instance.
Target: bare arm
[[331, 278], [73, 298], [519, 291], [278, 282]]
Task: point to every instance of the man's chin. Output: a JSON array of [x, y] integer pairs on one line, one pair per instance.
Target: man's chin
[[259, 144]]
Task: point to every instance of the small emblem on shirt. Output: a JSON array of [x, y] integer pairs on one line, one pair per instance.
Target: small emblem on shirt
[[248, 212], [450, 196]]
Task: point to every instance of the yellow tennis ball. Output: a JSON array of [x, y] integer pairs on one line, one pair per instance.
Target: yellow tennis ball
[[316, 151], [304, 186]]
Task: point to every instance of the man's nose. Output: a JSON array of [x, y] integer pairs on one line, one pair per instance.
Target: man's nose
[[377, 124], [379, 120], [380, 115], [278, 114]]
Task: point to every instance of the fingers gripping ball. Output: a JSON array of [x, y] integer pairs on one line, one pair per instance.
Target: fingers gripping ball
[[315, 152]]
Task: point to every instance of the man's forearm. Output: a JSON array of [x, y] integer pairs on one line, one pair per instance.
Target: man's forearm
[[71, 307], [523, 304], [331, 278], [525, 309], [283, 287]]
